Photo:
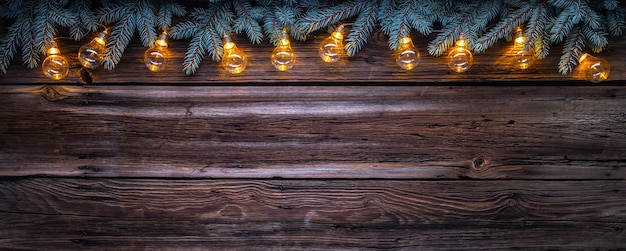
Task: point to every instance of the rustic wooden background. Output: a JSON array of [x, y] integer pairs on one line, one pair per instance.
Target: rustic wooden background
[[365, 157]]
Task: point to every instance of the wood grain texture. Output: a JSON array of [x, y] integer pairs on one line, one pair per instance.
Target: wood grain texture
[[494, 159], [311, 214], [400, 132]]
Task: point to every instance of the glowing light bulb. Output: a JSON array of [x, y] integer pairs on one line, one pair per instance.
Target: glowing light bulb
[[90, 55], [593, 68], [460, 59], [156, 57], [409, 56], [331, 48], [234, 60], [283, 57], [524, 55], [55, 66]]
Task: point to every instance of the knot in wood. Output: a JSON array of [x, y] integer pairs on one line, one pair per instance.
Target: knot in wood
[[53, 93], [511, 201], [480, 163]]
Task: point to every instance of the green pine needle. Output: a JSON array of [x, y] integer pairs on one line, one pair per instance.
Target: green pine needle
[[35, 25], [86, 20], [362, 29], [128, 16], [574, 45]]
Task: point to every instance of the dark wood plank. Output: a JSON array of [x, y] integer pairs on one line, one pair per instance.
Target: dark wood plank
[[311, 214], [314, 132]]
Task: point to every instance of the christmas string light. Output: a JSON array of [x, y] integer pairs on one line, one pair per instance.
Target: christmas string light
[[524, 55], [55, 66], [157, 56], [283, 57], [460, 59], [331, 48], [234, 60], [594, 69], [408, 56], [488, 23], [90, 55]]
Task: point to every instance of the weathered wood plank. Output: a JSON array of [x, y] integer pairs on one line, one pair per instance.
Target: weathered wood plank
[[311, 214], [314, 132]]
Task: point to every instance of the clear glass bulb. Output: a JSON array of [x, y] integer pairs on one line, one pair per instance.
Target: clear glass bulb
[[331, 48], [90, 55], [55, 66], [409, 56], [460, 59], [593, 68], [234, 59], [524, 55], [156, 57], [283, 57]]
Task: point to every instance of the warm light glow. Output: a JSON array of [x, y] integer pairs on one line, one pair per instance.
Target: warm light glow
[[156, 57], [53, 51], [90, 55], [161, 42], [234, 60], [594, 69], [523, 52], [99, 40], [283, 57], [460, 59], [55, 66], [229, 46], [331, 48], [408, 56], [461, 42]]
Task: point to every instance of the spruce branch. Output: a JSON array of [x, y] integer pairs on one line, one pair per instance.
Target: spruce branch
[[317, 18], [409, 15], [168, 9], [272, 28], [597, 39], [610, 4], [487, 12], [542, 44], [35, 25], [574, 45], [465, 17], [565, 22], [130, 15], [362, 28], [30, 52], [468, 19], [504, 27], [538, 22], [278, 18], [10, 45], [206, 31], [117, 42], [615, 21], [86, 20], [590, 17], [386, 9], [247, 20]]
